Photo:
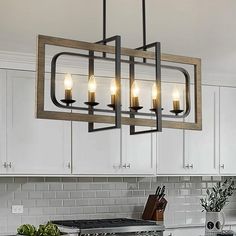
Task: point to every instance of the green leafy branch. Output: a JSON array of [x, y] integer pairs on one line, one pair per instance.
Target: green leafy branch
[[218, 196], [44, 230]]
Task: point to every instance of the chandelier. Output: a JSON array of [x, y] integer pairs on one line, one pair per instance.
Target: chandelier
[[148, 55]]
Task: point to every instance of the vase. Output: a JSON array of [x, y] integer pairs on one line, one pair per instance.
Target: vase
[[215, 222]]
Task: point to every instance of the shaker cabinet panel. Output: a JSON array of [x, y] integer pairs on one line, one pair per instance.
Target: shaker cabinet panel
[[193, 152], [139, 153], [34, 146], [139, 150], [2, 121], [95, 153], [227, 130], [171, 158], [191, 231], [201, 147]]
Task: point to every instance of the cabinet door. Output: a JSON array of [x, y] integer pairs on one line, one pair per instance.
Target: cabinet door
[[201, 147], [171, 159], [34, 146], [96, 153], [2, 121], [227, 130], [139, 151], [185, 232]]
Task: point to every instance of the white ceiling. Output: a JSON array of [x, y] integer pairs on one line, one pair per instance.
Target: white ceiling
[[198, 28]]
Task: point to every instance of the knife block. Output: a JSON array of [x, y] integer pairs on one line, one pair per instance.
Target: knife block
[[154, 208]]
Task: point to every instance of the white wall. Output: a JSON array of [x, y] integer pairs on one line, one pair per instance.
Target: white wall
[[198, 28]]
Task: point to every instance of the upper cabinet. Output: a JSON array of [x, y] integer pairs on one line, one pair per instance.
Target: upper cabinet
[[171, 159], [2, 121], [193, 152], [34, 146], [95, 153], [202, 147], [139, 151], [30, 146], [227, 130], [112, 151]]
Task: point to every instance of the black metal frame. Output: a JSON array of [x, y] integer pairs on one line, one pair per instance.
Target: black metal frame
[[117, 107], [90, 109], [158, 111], [187, 92]]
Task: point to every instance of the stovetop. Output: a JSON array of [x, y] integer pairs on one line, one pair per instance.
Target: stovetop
[[103, 223], [109, 226]]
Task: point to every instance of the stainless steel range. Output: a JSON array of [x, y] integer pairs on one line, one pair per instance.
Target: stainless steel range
[[117, 226]]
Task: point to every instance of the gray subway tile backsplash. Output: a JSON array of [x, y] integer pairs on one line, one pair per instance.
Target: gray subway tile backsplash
[[100, 197]]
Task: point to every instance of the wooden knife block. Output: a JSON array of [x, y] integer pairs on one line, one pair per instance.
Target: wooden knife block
[[154, 209]]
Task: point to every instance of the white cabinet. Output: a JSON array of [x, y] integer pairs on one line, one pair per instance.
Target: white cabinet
[[2, 121], [191, 231], [193, 152], [227, 130], [111, 151], [96, 153], [171, 159], [202, 147], [34, 146], [139, 151]]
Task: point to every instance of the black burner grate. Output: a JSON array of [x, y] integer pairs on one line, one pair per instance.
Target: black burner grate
[[103, 223]]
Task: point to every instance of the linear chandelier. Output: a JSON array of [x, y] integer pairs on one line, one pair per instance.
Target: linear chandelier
[[117, 117]]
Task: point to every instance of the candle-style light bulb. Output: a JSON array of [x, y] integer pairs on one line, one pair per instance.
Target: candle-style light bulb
[[92, 86], [113, 90], [68, 85], [176, 100], [134, 94], [154, 95]]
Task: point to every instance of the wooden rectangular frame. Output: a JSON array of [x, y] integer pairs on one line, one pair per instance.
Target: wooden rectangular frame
[[55, 115]]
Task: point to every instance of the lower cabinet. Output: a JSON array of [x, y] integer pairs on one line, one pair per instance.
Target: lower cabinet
[[191, 231], [33, 146]]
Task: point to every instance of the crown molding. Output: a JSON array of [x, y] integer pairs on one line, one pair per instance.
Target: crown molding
[[17, 61], [27, 61]]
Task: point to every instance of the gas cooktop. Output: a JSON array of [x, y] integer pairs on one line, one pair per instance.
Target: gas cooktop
[[104, 223], [116, 226]]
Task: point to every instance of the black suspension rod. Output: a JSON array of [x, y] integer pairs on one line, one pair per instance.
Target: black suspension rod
[[104, 23], [144, 27]]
